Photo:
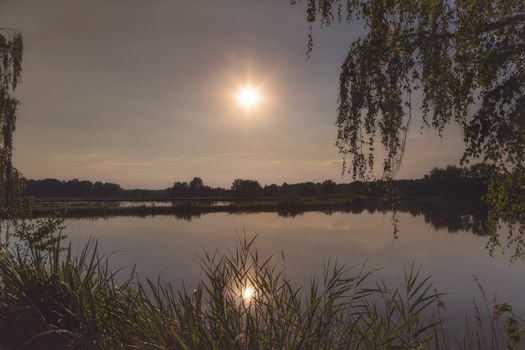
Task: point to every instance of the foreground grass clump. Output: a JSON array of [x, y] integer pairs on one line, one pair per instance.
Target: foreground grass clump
[[53, 299]]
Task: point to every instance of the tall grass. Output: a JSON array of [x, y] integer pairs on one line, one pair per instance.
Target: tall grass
[[54, 298]]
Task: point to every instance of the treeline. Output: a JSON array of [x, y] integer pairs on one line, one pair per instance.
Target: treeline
[[71, 188], [195, 188], [451, 181]]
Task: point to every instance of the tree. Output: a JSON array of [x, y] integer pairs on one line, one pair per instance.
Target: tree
[[179, 189], [246, 188], [329, 187], [451, 173], [465, 59], [10, 69], [105, 189], [272, 191], [307, 189], [196, 186]]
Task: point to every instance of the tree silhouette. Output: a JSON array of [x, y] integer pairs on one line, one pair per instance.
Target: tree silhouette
[[272, 190], [71, 188], [179, 189], [453, 53], [465, 59], [196, 186], [246, 188], [329, 187], [10, 69]]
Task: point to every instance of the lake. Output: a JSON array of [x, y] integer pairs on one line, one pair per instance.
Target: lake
[[452, 253]]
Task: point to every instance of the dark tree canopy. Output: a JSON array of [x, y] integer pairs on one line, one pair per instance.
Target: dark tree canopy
[[329, 187], [465, 60], [10, 70], [179, 189], [246, 188], [72, 188], [196, 185]]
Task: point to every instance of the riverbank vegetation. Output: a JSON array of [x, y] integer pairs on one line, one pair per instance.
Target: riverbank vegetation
[[451, 215], [54, 297], [451, 181]]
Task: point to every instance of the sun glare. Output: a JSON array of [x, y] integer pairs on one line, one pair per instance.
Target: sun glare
[[248, 97], [248, 293]]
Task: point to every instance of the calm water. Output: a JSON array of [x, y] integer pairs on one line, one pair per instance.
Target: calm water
[[172, 247], [122, 204]]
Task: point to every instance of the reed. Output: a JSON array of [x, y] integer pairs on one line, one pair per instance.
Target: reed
[[57, 298]]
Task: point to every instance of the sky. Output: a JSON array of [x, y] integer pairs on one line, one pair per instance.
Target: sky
[[142, 93]]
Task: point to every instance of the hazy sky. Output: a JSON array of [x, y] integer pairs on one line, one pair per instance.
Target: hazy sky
[[140, 93]]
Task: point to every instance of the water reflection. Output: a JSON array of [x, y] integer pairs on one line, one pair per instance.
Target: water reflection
[[451, 215], [173, 247], [73, 204], [247, 294]]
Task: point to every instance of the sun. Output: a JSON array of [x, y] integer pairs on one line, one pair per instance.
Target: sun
[[248, 97], [248, 293]]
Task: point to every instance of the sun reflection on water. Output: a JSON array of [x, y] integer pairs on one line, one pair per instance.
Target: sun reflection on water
[[248, 293]]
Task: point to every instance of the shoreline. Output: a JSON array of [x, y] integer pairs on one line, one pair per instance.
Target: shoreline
[[188, 208]]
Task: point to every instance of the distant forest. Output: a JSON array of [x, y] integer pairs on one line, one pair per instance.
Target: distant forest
[[451, 181]]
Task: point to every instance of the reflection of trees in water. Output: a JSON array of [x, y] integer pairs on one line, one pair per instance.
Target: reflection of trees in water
[[184, 216], [451, 215]]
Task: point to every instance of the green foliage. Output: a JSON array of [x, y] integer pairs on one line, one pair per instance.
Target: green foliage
[[39, 234], [336, 312], [506, 197], [61, 299], [513, 330], [496, 327], [52, 298], [451, 52], [465, 59], [10, 70]]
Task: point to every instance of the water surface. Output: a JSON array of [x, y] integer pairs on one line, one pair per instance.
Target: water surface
[[173, 247]]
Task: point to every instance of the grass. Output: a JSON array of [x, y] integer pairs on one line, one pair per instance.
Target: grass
[[53, 298]]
